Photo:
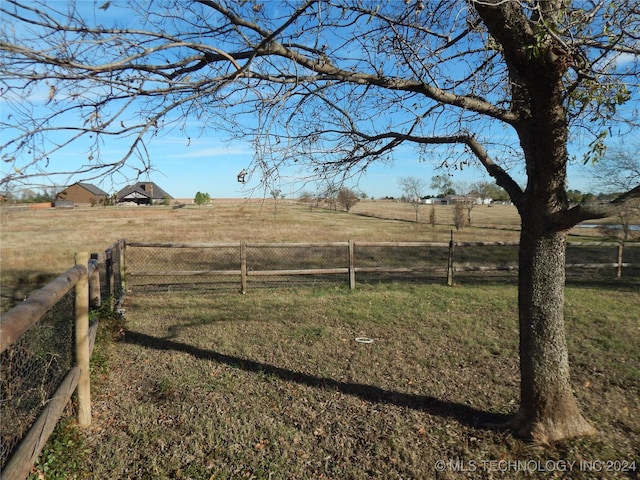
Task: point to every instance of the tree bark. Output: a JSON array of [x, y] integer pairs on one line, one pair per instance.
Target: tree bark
[[548, 408]]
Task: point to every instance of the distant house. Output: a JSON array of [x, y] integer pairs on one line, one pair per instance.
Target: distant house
[[453, 199], [143, 193], [435, 201], [82, 194], [470, 199]]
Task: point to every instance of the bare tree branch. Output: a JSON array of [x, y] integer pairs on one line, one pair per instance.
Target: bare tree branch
[[390, 58]]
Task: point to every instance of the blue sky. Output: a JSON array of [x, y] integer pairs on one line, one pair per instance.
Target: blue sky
[[210, 164]]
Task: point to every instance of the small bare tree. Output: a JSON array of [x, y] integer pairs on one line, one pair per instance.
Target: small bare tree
[[468, 198], [432, 215], [413, 190], [275, 194], [329, 194], [627, 217], [468, 203], [458, 215], [618, 171], [347, 198]]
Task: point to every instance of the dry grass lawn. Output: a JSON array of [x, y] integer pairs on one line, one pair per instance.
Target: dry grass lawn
[[46, 240]]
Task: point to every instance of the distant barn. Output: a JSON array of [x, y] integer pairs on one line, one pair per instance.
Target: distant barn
[[143, 193], [81, 194]]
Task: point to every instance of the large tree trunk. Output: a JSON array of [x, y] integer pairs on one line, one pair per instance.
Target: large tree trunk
[[548, 408]]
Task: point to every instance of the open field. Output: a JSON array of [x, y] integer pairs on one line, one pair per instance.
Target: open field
[[273, 385], [482, 216], [37, 244], [48, 238], [45, 240]]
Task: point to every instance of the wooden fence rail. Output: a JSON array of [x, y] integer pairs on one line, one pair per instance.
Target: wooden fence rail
[[449, 264], [84, 277], [18, 320]]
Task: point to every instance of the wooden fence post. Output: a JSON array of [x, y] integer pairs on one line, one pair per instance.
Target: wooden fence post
[[620, 248], [110, 278], [122, 245], [352, 266], [450, 262], [243, 267], [95, 296], [82, 342]]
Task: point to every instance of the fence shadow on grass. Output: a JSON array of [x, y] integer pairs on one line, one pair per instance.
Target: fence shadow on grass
[[464, 414]]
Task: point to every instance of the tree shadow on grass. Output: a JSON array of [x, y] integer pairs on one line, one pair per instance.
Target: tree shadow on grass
[[18, 285], [464, 414]]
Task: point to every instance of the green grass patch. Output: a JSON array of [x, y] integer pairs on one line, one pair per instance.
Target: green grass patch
[[65, 456]]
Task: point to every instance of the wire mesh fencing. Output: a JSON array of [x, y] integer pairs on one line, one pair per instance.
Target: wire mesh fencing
[[477, 261], [275, 264], [405, 261], [172, 267], [46, 346], [629, 261], [31, 370], [598, 261]]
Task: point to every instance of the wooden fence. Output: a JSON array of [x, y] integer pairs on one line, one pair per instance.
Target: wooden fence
[[83, 281], [172, 263]]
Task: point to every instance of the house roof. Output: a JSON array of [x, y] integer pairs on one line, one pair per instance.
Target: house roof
[[143, 190], [91, 188]]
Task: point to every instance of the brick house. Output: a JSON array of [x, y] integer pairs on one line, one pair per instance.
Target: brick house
[[82, 194]]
